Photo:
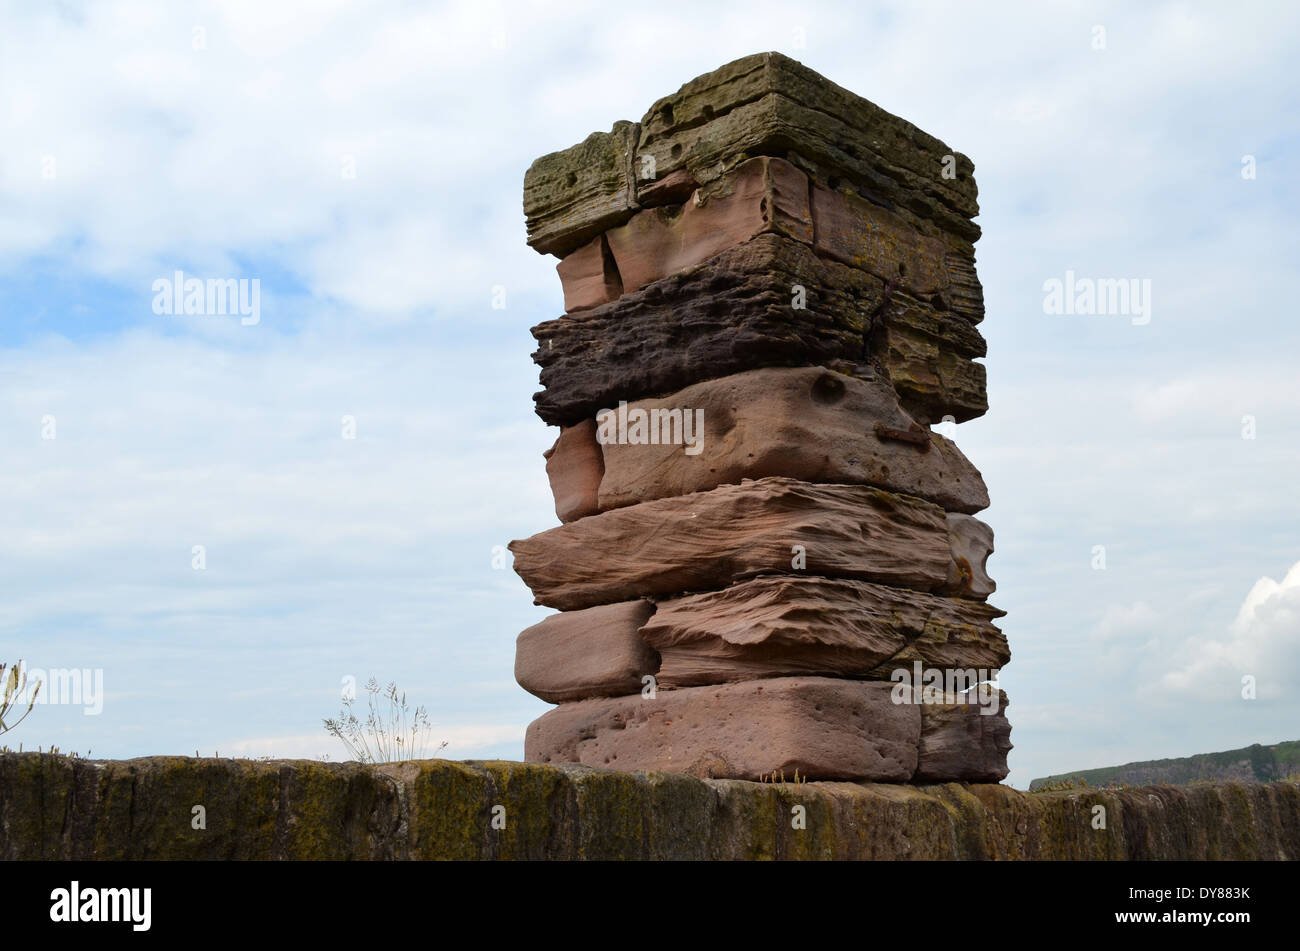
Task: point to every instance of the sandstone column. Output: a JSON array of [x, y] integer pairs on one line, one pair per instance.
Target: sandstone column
[[767, 561]]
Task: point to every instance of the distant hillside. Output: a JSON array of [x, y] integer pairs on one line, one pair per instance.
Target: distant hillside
[[1252, 764]]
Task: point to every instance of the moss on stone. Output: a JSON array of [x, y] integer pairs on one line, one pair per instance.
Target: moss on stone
[[533, 806], [36, 789], [55, 807], [612, 814], [449, 810]]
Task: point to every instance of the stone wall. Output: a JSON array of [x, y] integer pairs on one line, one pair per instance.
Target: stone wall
[[54, 807]]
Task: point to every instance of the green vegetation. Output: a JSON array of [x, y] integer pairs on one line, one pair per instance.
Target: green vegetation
[[1250, 764], [778, 777]]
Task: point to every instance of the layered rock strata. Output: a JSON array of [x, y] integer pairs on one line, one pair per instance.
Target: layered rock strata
[[767, 560]]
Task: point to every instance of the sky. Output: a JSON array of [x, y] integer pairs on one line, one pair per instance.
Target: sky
[[364, 162]]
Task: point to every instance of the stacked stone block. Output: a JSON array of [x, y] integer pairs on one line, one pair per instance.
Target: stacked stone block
[[766, 554]]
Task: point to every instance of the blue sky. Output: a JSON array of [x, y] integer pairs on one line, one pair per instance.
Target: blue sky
[[216, 138]]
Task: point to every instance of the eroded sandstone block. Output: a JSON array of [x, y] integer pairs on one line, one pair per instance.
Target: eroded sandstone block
[[708, 540], [928, 356], [825, 728], [589, 276], [573, 195], [788, 625], [738, 312], [758, 196], [734, 313], [672, 189], [951, 647], [960, 742], [574, 468], [972, 543], [806, 423], [865, 236], [764, 195], [596, 652]]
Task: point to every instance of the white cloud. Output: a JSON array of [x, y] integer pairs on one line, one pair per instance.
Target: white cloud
[[1263, 643]]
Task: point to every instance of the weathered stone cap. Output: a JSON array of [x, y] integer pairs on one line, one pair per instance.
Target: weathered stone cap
[[837, 130], [575, 194], [763, 104]]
